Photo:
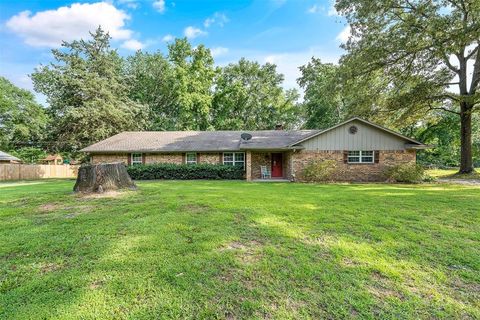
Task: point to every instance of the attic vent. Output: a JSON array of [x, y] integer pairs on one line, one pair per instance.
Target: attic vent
[[246, 136], [353, 129]]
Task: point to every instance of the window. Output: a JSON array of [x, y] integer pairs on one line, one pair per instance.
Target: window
[[234, 159], [360, 157], [137, 158], [191, 158]]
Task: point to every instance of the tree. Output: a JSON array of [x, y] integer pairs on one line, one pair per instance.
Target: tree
[[323, 102], [87, 93], [193, 74], [250, 96], [424, 49], [151, 81], [22, 119]]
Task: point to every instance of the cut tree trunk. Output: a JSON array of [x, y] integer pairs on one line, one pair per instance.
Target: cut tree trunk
[[466, 156], [103, 177]]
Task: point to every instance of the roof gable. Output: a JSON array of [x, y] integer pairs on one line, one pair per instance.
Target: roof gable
[[363, 121]]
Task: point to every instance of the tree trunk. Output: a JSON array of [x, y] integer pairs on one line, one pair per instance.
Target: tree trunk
[[103, 177], [466, 158]]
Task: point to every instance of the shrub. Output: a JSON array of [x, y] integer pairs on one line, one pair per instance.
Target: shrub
[[317, 171], [407, 172], [170, 171]]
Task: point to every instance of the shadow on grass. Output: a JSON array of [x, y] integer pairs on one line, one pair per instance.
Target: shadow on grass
[[237, 250]]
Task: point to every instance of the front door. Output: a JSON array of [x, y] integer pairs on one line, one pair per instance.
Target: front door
[[277, 169]]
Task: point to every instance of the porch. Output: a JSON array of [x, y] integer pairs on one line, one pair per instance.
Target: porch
[[278, 163]]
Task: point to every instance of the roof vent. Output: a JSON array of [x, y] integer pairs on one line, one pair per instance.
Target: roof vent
[[246, 136]]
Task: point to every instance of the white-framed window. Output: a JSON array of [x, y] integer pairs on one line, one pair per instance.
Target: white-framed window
[[234, 159], [137, 158], [360, 157], [191, 158]]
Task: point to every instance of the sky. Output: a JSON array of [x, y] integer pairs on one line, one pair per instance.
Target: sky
[[285, 32]]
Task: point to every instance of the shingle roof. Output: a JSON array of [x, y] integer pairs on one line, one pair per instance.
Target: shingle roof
[[7, 157], [182, 141]]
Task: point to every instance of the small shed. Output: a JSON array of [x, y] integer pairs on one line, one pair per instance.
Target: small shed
[[53, 159], [7, 158]]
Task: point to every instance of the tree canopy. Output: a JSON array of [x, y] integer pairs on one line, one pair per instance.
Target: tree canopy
[[425, 51], [22, 120], [87, 93]]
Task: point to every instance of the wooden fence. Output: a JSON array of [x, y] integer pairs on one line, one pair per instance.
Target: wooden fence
[[36, 171]]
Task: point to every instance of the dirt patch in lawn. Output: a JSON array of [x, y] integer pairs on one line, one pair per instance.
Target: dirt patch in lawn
[[49, 207], [247, 252], [195, 208], [50, 267], [108, 194], [382, 288]]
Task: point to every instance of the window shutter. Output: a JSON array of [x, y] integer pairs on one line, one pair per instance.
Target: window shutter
[[129, 159], [377, 156], [184, 158], [143, 158], [220, 158], [198, 157], [345, 156]]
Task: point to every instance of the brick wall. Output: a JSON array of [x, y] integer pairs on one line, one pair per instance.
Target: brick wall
[[210, 158], [176, 158], [109, 158], [352, 172], [259, 159]]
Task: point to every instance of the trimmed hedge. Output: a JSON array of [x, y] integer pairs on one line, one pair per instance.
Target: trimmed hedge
[[170, 171]]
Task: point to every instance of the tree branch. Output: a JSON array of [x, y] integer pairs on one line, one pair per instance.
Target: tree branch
[[443, 109]]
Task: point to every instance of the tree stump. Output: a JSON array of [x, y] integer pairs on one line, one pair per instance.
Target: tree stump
[[103, 177]]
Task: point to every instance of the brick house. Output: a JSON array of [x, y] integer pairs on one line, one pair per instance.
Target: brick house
[[361, 149]]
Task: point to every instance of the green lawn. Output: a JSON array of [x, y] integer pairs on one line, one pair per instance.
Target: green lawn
[[237, 250], [452, 174]]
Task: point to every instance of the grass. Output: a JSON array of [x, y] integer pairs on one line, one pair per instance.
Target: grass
[[452, 174], [236, 250]]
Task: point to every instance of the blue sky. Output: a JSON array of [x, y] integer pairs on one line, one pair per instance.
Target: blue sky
[[285, 32]]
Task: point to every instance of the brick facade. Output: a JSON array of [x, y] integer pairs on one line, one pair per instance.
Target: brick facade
[[293, 162], [109, 158], [210, 158], [352, 172], [176, 158]]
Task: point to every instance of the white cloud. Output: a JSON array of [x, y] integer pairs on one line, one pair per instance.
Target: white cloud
[[167, 38], [133, 45], [132, 4], [344, 34], [159, 5], [192, 32], [218, 18], [218, 51], [48, 28], [315, 9], [332, 11]]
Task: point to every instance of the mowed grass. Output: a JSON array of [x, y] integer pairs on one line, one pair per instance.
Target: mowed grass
[[236, 250], [452, 174]]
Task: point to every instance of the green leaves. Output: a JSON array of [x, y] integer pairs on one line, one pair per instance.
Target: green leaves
[[87, 93], [22, 120]]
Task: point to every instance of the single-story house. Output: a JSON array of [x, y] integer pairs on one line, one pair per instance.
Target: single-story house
[[360, 148], [7, 158]]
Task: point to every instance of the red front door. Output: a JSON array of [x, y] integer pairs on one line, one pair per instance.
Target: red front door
[[277, 169]]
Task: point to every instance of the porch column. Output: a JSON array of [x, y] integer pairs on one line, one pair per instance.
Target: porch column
[[248, 165]]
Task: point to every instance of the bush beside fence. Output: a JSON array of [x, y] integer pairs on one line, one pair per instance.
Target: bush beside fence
[[185, 172]]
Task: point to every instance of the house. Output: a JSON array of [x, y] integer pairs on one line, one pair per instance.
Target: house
[[53, 159], [361, 149], [7, 158]]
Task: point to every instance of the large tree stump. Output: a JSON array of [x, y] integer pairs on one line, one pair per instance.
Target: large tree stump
[[103, 177]]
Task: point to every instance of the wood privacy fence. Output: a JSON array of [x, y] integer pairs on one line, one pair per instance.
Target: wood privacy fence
[[36, 171]]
